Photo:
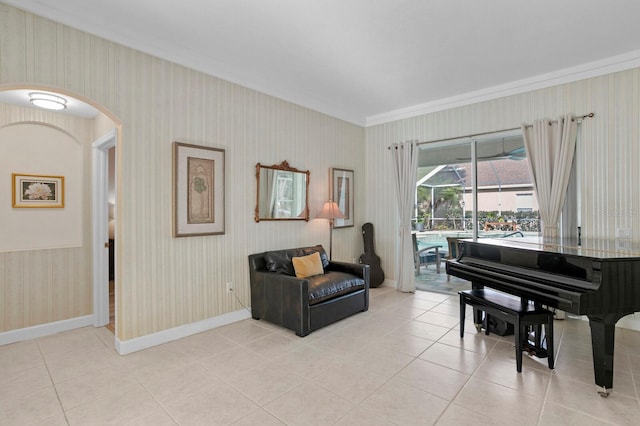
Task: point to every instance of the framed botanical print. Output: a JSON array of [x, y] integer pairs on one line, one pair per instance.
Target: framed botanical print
[[198, 190], [37, 191], [342, 193]]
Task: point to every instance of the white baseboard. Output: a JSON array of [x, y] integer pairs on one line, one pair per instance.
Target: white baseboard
[[42, 330], [124, 347]]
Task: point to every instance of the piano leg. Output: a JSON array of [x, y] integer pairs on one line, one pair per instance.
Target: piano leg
[[603, 332]]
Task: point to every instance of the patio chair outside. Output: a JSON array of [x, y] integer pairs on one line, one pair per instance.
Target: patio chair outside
[[425, 256]]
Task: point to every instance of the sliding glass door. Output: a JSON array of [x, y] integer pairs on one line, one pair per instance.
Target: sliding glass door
[[507, 204], [475, 187], [443, 187]]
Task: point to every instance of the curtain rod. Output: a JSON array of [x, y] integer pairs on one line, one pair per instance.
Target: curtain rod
[[578, 117], [574, 118]]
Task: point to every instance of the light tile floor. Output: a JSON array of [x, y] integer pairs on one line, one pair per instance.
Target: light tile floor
[[400, 363]]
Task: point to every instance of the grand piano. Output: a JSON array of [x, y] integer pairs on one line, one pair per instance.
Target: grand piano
[[599, 279]]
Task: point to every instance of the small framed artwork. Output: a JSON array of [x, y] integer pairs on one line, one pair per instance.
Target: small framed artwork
[[37, 191], [342, 193], [198, 190]]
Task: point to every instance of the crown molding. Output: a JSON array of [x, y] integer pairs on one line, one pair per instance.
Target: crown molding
[[599, 68]]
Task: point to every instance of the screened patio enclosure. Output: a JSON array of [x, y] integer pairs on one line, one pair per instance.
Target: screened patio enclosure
[[500, 198]]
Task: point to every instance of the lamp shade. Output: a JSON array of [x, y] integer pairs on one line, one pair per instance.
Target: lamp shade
[[330, 210]]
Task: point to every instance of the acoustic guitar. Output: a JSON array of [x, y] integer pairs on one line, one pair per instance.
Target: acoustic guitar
[[376, 274]]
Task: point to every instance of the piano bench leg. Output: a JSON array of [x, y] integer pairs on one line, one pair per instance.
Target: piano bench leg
[[518, 330], [477, 316], [517, 314], [463, 307], [535, 347]]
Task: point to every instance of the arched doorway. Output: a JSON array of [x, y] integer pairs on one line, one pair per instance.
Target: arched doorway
[[68, 271]]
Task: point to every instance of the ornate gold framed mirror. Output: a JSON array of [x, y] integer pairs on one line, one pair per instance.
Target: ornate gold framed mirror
[[282, 193]]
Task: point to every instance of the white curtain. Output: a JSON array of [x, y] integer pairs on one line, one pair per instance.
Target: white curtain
[[405, 163], [550, 149]]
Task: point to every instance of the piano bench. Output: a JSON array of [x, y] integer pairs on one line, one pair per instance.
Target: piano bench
[[521, 314]]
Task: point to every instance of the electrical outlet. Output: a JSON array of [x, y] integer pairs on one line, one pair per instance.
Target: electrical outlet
[[624, 233], [229, 287]]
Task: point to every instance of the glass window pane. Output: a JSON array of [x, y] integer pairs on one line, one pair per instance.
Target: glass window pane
[[443, 201], [445, 191]]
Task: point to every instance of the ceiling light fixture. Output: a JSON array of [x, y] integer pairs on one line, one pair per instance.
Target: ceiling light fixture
[[47, 101]]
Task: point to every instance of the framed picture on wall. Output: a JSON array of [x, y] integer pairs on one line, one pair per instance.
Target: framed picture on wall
[[342, 193], [198, 190], [37, 191]]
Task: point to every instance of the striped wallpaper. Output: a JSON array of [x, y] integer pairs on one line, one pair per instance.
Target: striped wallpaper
[[165, 282], [43, 286], [608, 160]]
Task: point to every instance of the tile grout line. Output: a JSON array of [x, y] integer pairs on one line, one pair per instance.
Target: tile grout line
[[55, 388]]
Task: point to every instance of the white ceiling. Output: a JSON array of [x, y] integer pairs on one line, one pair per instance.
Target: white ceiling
[[370, 61]]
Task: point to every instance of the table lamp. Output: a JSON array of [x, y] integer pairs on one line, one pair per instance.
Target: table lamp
[[331, 211]]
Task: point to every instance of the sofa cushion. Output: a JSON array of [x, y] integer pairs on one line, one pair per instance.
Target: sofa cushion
[[332, 284], [319, 249], [280, 260], [308, 266]]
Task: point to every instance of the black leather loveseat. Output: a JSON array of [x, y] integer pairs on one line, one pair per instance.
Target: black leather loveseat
[[305, 304]]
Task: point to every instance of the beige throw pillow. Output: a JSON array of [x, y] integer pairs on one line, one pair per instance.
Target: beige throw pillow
[[308, 266]]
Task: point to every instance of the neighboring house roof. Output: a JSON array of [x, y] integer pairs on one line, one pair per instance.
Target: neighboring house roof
[[490, 173], [503, 172]]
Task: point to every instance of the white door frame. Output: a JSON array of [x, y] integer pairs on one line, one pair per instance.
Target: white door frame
[[100, 209]]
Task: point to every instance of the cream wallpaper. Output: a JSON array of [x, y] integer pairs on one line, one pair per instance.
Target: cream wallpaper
[[40, 149], [165, 282], [40, 286], [608, 156]]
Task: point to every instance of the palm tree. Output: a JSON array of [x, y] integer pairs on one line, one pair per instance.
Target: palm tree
[[444, 197]]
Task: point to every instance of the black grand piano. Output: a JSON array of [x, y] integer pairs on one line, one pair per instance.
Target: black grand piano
[[599, 279]]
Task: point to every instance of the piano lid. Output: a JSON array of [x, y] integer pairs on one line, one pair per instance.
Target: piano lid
[[596, 248]]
